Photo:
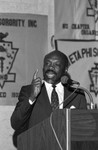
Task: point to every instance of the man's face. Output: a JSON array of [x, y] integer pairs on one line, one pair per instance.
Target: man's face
[[53, 68]]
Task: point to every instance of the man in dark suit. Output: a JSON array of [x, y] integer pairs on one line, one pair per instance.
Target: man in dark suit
[[34, 103]]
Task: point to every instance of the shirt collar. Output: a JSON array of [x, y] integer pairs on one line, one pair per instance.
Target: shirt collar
[[59, 85], [48, 85]]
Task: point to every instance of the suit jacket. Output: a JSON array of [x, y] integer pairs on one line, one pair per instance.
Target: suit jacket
[[26, 115]]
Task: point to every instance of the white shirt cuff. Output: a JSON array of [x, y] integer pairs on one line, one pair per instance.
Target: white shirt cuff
[[30, 102]]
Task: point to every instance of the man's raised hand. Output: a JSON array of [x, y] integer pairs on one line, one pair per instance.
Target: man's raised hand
[[36, 85]]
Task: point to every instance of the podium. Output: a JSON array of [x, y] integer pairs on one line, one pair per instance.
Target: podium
[[51, 133]]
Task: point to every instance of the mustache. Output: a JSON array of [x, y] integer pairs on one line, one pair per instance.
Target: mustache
[[50, 70]]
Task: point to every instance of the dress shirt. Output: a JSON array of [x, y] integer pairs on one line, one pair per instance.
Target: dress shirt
[[60, 91]]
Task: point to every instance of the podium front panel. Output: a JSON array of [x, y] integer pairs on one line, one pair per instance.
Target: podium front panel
[[84, 132]]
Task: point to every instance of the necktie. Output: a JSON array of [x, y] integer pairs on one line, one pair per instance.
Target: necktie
[[54, 98]]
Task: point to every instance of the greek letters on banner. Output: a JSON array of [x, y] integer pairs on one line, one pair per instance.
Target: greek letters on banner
[[83, 60]]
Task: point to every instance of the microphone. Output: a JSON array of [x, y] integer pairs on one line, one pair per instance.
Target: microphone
[[66, 80]]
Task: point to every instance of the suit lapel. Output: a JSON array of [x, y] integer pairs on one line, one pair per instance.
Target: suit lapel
[[67, 97], [44, 100]]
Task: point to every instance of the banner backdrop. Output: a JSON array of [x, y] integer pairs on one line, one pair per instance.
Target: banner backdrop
[[76, 19], [23, 44], [83, 60], [76, 32]]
